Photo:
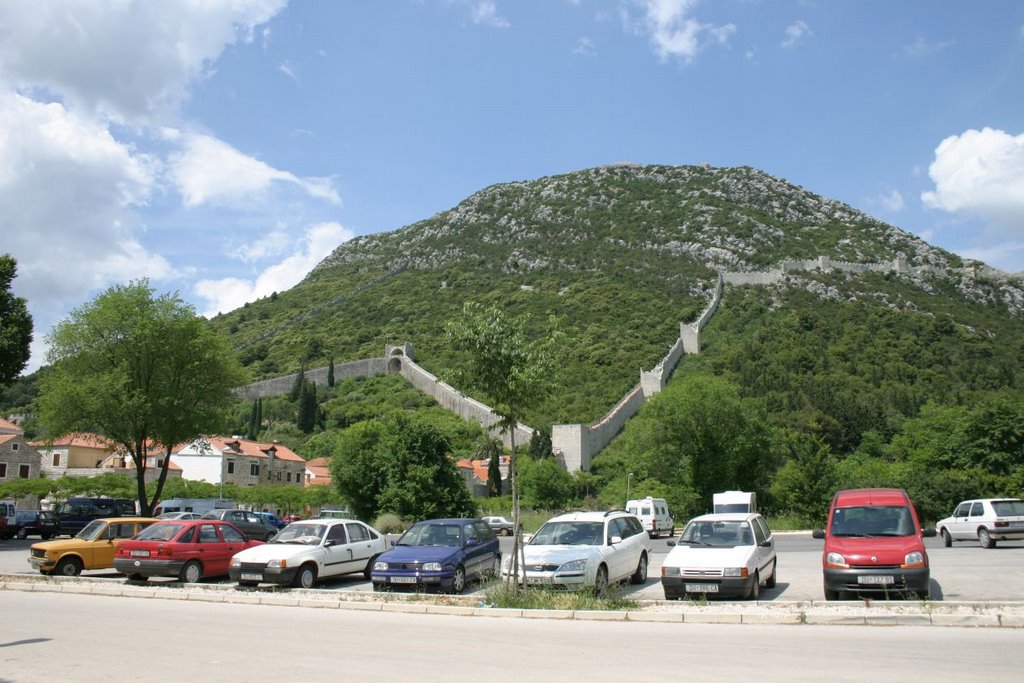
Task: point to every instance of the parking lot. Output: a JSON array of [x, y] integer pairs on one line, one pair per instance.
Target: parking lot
[[964, 572]]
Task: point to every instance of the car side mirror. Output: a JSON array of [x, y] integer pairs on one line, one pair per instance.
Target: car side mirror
[[818, 533], [928, 533], [615, 539], [471, 542], [670, 544], [393, 542], [328, 543]]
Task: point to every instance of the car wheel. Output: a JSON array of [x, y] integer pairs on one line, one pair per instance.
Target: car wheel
[[640, 575], [68, 566], [46, 537], [22, 533], [755, 588], [947, 540], [985, 539], [770, 583], [191, 572], [495, 570], [306, 576], [368, 572], [459, 580], [601, 581]]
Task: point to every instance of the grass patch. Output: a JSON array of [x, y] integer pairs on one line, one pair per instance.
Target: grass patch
[[501, 594], [789, 522]]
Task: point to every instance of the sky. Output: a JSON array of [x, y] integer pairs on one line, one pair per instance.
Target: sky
[[222, 148]]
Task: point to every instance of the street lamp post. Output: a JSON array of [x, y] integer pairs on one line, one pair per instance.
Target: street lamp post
[[629, 478]]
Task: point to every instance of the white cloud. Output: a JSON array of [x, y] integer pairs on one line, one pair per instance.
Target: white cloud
[[796, 32], [229, 293], [673, 32], [485, 13], [209, 170], [923, 47], [130, 60], [980, 172], [269, 245], [286, 68], [891, 201], [584, 47]]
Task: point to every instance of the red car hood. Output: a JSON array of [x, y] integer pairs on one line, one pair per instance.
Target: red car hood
[[875, 550]]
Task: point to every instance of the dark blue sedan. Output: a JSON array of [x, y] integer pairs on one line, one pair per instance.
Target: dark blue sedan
[[439, 553]]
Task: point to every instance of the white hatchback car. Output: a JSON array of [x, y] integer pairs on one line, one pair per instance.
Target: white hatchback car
[[726, 554], [586, 550], [306, 551], [986, 520]]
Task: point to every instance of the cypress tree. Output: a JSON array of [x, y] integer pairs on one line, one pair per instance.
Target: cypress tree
[[307, 408], [251, 434], [259, 418], [330, 372], [494, 474], [300, 381]]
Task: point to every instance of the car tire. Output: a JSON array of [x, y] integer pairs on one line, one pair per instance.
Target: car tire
[[985, 539], [306, 576], [46, 537], [770, 583], [191, 572], [640, 575], [22, 533], [755, 588], [601, 581], [368, 572], [947, 540], [68, 566], [831, 594], [495, 570], [459, 580]]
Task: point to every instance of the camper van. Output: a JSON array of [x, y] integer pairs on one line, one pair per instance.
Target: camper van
[[200, 506], [734, 501], [653, 513]]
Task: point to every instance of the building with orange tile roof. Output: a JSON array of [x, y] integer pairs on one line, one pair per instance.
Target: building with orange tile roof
[[475, 474], [318, 472], [233, 460]]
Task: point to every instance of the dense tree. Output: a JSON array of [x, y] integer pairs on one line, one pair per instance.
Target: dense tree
[[399, 464], [142, 370], [494, 483], [15, 325], [330, 372], [546, 484], [509, 371], [308, 408], [805, 484]]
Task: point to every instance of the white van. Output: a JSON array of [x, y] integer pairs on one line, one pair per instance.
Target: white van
[[653, 513], [734, 501]]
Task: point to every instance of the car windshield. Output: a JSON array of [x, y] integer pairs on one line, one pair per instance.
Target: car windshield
[[873, 520], [308, 534], [432, 534], [717, 533], [92, 530], [160, 532], [1008, 508], [569, 533]]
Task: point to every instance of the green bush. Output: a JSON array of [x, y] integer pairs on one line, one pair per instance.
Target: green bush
[[389, 523]]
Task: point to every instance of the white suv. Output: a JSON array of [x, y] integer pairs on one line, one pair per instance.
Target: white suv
[[586, 550], [987, 519]]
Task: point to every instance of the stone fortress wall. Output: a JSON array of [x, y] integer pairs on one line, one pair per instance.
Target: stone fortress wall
[[575, 445]]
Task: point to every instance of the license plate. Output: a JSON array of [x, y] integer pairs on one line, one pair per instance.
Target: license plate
[[140, 553], [251, 577], [403, 579], [702, 588], [538, 579], [876, 580]]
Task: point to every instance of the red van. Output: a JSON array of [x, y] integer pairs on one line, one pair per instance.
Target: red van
[[874, 544]]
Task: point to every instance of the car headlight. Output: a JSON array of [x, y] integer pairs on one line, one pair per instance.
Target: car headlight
[[735, 571], [914, 559], [235, 562], [379, 566], [573, 566], [431, 566], [835, 560], [670, 571], [277, 564]]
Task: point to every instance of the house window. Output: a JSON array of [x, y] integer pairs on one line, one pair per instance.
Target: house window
[[279, 476], [56, 459], [14, 446], [3, 470], [254, 470], [289, 477], [231, 466], [23, 471]]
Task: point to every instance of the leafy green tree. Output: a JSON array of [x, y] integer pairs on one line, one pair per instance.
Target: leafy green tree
[[15, 325], [546, 485], [511, 372], [300, 382], [142, 370], [399, 464], [540, 444], [806, 483]]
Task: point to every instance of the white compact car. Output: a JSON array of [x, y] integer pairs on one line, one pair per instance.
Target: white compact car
[[311, 549], [727, 554], [586, 550], [986, 520]]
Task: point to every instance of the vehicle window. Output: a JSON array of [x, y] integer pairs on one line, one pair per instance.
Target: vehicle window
[[760, 531], [123, 530], [1008, 508], [93, 530], [208, 534], [337, 534], [432, 534], [616, 527], [631, 510], [635, 526], [962, 510], [470, 533], [357, 532], [252, 519], [763, 526], [569, 533], [188, 536], [646, 512], [977, 509], [231, 534], [484, 532], [719, 534], [160, 532], [873, 520]]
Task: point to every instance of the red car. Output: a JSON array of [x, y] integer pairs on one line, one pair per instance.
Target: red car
[[189, 549]]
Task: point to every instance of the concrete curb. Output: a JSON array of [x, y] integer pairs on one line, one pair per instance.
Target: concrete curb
[[845, 613]]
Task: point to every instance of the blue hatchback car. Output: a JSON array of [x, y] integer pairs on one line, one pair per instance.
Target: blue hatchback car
[[439, 553]]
